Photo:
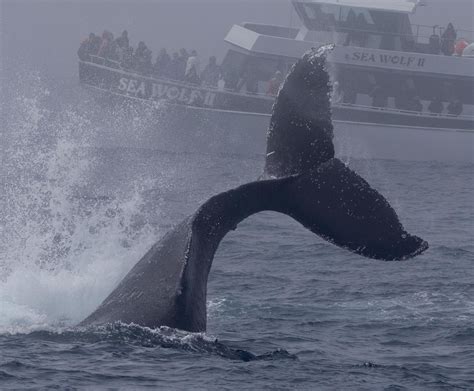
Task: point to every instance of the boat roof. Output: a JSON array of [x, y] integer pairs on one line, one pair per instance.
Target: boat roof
[[402, 6]]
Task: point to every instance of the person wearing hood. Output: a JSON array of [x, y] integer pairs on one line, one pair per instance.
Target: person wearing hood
[[122, 45], [448, 40], [142, 59], [122, 41]]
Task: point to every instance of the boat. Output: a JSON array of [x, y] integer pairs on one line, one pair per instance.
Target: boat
[[397, 93]]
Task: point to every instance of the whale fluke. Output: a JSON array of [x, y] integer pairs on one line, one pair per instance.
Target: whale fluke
[[168, 286], [300, 136]]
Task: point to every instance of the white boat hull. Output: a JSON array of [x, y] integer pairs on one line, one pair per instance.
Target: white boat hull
[[183, 128]]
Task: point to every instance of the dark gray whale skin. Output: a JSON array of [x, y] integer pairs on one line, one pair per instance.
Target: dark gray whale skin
[[168, 286]]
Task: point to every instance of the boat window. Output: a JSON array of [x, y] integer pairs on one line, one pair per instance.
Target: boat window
[[322, 16], [325, 16], [347, 11]]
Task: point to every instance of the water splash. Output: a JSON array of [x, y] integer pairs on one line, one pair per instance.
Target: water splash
[[60, 252]]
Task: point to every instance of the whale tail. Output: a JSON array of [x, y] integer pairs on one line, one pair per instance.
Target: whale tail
[[168, 285], [300, 136]]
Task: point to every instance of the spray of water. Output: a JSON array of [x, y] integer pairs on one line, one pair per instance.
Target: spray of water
[[60, 252]]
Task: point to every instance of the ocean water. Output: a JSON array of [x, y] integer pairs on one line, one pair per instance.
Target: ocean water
[[286, 310]]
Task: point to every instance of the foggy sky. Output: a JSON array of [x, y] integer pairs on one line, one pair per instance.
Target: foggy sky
[[45, 34]]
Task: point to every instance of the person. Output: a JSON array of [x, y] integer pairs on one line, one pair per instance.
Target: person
[[173, 70], [122, 45], [231, 79], [434, 46], [404, 98], [211, 74], [122, 41], [127, 58], [249, 78], [379, 97], [408, 43], [455, 107], [415, 104], [191, 75], [448, 39], [142, 59], [108, 48], [459, 47], [162, 64], [436, 105], [183, 61], [275, 83], [90, 46]]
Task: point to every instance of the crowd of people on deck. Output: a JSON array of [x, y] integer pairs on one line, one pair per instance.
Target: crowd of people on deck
[[405, 99], [180, 66], [185, 66], [408, 100]]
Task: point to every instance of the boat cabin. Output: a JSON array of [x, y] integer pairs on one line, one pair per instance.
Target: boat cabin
[[380, 61], [367, 23]]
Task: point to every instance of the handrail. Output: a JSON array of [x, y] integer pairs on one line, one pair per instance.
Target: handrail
[[270, 97], [399, 111], [414, 36]]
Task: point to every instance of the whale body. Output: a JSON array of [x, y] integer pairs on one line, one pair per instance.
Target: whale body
[[302, 179]]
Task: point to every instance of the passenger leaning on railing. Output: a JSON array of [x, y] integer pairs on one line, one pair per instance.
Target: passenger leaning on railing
[[142, 59], [107, 47], [193, 69], [379, 97], [174, 69], [455, 107], [436, 105], [89, 46], [211, 74]]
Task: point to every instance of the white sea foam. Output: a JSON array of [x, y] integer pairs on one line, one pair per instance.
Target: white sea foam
[[60, 253]]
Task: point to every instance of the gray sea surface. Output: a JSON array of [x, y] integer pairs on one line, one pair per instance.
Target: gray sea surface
[[286, 310]]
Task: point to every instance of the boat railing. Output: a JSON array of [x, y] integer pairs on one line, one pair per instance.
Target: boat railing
[[417, 40], [425, 31], [117, 66], [105, 62], [407, 112]]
